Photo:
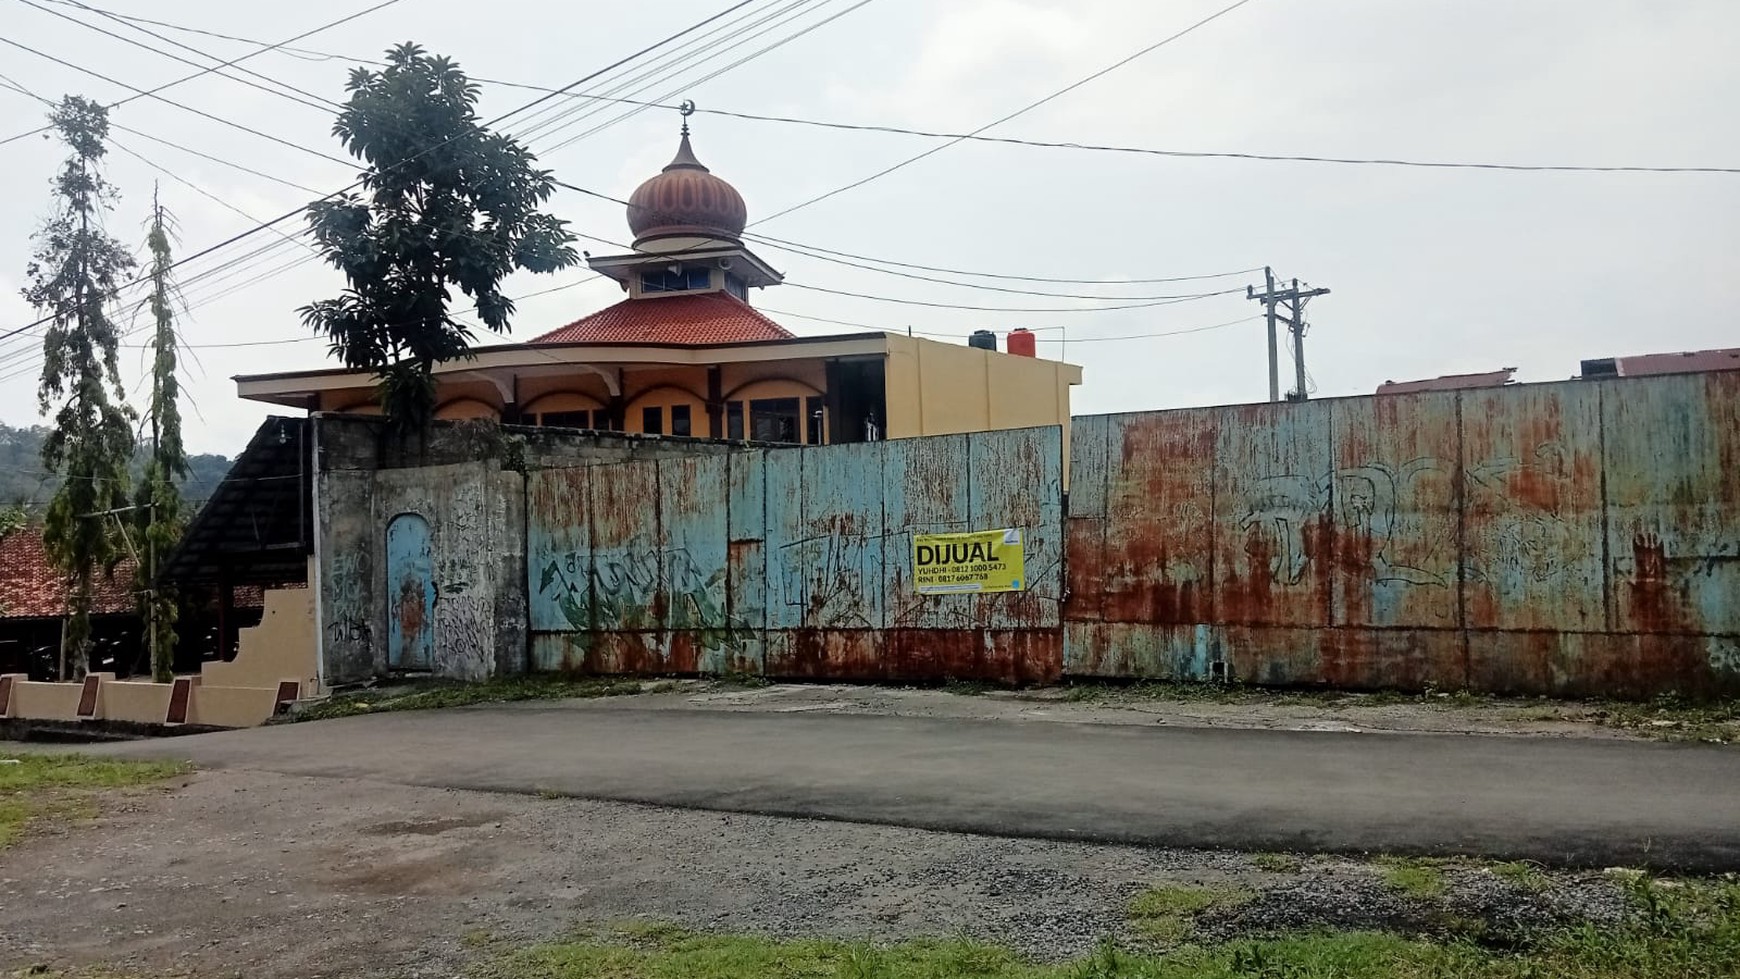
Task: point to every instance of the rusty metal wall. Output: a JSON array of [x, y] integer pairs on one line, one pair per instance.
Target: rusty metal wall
[[795, 562], [1572, 538]]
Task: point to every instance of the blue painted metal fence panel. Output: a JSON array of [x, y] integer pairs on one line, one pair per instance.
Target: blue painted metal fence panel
[[795, 562], [410, 594]]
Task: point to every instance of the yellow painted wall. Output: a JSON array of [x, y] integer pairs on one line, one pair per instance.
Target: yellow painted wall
[[557, 401], [280, 648], [947, 388], [459, 409], [777, 387], [534, 387], [141, 702], [664, 388], [45, 701], [352, 401], [231, 706], [733, 377], [641, 381]]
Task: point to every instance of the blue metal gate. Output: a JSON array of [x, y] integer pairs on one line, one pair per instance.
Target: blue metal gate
[[410, 594]]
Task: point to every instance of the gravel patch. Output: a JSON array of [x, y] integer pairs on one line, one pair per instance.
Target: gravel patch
[[1477, 905], [278, 876]]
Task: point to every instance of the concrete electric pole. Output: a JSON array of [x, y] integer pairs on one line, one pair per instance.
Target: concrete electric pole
[[1293, 300]]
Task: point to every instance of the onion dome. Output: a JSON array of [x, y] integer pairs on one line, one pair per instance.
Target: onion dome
[[686, 200]]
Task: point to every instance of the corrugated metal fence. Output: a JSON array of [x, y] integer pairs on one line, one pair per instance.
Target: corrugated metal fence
[[795, 562], [1573, 538]]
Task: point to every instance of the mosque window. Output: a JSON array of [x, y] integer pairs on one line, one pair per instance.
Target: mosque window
[[682, 280]]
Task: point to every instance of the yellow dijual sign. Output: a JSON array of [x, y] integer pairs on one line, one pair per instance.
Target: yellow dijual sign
[[986, 560]]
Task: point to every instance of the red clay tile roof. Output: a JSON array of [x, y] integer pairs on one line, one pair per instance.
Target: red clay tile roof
[[31, 588], [707, 317], [1449, 382], [1691, 360]]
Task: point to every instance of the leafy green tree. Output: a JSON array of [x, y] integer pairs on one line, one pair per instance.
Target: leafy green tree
[[446, 204], [74, 275], [12, 517], [159, 498]]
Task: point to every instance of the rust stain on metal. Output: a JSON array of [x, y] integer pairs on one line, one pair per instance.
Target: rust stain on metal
[[1084, 569]]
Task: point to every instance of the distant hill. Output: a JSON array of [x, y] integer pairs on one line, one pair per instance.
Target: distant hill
[[24, 482]]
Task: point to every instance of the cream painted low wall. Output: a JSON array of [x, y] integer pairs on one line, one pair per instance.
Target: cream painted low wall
[[45, 701], [231, 706], [280, 648], [128, 700]]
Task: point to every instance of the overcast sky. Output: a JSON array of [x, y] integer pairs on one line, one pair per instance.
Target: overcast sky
[[1433, 271]]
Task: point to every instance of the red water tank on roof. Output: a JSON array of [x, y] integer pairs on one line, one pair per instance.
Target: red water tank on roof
[[1022, 343]]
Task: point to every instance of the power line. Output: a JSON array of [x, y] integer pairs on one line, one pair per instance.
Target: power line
[[1135, 302], [778, 242], [1060, 340], [667, 64], [1230, 155], [300, 209], [1018, 112], [716, 73], [812, 252], [175, 57], [186, 108], [206, 71], [207, 276], [796, 249], [1005, 140], [1164, 301]]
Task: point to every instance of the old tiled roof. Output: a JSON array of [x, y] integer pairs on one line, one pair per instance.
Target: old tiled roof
[[30, 587], [1675, 363], [1450, 382], [707, 317]]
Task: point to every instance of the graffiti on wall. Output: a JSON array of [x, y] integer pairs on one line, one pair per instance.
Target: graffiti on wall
[[1554, 537], [465, 634], [792, 560], [347, 621], [1514, 538], [631, 590], [827, 579]]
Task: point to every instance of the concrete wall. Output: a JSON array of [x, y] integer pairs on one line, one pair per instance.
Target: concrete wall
[[465, 481], [45, 701], [282, 647], [473, 511], [1574, 538]]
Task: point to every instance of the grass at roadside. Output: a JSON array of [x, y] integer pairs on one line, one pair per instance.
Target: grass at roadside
[[1679, 930], [63, 787], [1414, 876], [434, 694], [1165, 913]]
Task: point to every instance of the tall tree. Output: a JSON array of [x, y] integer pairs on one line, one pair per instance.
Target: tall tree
[[447, 203], [159, 498], [74, 275]]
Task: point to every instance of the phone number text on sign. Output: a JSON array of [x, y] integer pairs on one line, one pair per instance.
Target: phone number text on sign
[[982, 561]]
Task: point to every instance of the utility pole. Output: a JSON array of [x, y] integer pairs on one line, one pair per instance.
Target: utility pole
[[1274, 352], [1294, 299]]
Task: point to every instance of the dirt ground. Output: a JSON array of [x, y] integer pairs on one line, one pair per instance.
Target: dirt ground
[[251, 874], [236, 872]]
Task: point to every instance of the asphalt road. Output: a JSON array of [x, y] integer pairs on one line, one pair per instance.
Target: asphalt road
[[1571, 802]]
